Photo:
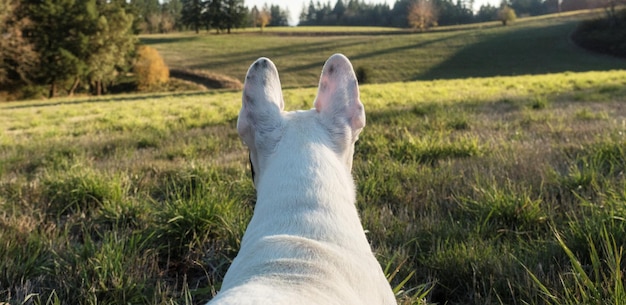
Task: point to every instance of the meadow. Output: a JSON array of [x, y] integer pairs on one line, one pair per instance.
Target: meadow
[[482, 190], [529, 46]]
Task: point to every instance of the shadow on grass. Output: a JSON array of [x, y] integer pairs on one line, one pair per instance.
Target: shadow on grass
[[540, 51], [388, 51], [275, 53], [108, 98], [149, 40]]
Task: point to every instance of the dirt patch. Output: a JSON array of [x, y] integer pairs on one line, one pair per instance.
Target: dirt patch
[[207, 79]]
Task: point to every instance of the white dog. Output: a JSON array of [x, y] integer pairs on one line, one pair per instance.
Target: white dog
[[305, 243]]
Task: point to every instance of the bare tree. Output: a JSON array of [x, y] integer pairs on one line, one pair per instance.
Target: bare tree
[[506, 14], [153, 22], [168, 23], [422, 14]]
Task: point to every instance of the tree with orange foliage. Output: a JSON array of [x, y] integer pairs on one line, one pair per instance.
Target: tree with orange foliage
[[150, 68], [263, 18]]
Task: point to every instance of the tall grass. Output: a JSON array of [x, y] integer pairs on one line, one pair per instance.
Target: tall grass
[[600, 281], [477, 191]]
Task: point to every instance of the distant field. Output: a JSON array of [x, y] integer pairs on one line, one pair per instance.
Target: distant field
[[530, 46], [304, 30], [505, 190]]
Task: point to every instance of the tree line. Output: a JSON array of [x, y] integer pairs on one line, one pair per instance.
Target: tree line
[[446, 12], [223, 15], [154, 16], [85, 45], [70, 46]]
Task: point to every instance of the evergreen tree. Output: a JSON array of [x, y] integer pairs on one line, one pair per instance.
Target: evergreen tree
[[79, 40], [254, 17], [339, 9], [109, 46], [311, 13], [278, 16], [486, 13], [527, 7], [400, 12], [61, 34], [214, 17], [219, 15], [354, 13], [191, 14], [235, 14], [17, 56], [573, 5], [307, 16], [453, 12], [323, 13], [551, 6]]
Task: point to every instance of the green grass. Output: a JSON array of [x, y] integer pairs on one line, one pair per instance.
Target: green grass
[[529, 46], [477, 191], [486, 190]]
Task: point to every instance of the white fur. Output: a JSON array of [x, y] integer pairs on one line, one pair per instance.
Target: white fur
[[305, 243]]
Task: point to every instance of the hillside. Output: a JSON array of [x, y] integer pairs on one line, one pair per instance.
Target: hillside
[[529, 46]]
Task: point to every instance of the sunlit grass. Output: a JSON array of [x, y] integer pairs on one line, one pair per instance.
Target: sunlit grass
[[497, 190], [144, 199]]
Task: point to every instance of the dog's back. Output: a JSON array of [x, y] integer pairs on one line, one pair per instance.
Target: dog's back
[[305, 243]]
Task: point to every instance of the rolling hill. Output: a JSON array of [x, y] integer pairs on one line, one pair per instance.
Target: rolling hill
[[529, 46]]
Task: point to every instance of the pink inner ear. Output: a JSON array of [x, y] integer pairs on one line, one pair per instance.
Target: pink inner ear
[[244, 125], [325, 93], [338, 94], [357, 115]]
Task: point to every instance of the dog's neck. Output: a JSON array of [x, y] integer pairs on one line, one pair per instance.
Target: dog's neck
[[303, 180]]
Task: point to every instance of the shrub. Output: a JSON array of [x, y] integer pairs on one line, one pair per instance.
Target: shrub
[[363, 74], [607, 35], [150, 68]]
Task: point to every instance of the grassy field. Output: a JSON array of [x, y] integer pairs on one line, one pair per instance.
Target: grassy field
[[471, 189], [529, 46], [494, 190]]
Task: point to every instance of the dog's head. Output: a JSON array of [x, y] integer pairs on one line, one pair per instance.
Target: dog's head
[[338, 110]]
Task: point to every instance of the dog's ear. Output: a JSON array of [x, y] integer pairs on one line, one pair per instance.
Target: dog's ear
[[338, 97], [262, 101]]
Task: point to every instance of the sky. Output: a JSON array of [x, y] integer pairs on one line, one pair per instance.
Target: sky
[[295, 6]]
